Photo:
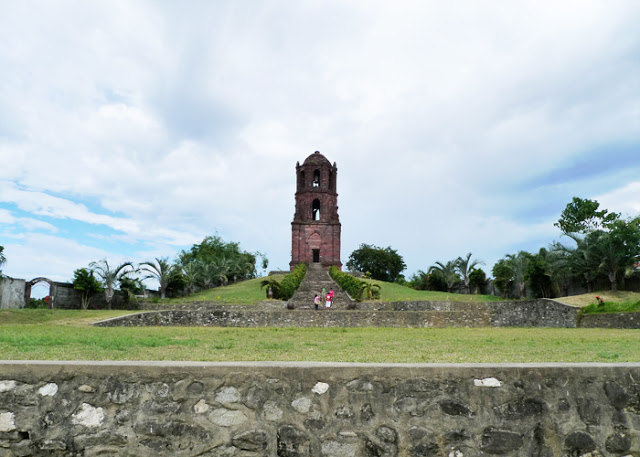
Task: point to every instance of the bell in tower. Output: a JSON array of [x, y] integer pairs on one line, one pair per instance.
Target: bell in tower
[[316, 227]]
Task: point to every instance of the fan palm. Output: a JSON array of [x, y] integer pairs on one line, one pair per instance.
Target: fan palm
[[162, 271], [465, 267], [448, 272], [109, 276]]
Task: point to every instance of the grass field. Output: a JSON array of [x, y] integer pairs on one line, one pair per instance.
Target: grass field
[[66, 335], [622, 297]]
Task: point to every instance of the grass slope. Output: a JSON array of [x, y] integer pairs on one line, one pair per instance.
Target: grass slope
[[249, 292], [244, 292], [582, 300], [66, 335]]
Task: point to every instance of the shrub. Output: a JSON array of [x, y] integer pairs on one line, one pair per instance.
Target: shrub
[[353, 286], [291, 282]]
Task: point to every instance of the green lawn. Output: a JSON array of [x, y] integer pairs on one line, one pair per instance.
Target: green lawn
[[390, 292], [66, 335], [250, 292], [244, 292]]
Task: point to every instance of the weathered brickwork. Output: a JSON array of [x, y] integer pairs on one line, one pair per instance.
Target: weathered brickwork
[[316, 224], [318, 410]]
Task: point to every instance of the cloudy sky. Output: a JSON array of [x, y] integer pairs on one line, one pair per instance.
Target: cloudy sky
[[133, 129]]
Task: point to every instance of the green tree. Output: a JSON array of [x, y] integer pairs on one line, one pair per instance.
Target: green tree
[[162, 271], [384, 264], [3, 259], [582, 216], [86, 284], [464, 266], [110, 277], [448, 272], [214, 262], [538, 275], [477, 280], [509, 274]]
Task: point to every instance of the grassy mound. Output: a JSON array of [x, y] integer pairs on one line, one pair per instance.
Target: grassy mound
[[622, 297]]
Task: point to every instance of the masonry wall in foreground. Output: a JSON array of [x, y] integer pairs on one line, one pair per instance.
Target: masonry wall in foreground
[[319, 410]]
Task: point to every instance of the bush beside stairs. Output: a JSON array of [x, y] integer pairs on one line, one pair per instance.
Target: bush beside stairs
[[315, 279]]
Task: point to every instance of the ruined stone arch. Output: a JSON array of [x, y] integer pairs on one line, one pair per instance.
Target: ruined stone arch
[[33, 282]]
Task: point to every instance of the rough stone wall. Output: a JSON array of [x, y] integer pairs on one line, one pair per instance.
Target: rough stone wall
[[11, 292], [532, 313], [617, 320], [318, 410]]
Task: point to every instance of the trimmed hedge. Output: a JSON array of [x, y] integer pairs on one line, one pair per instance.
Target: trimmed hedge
[[353, 286], [292, 281]]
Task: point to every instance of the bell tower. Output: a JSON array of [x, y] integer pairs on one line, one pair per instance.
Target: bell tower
[[316, 227]]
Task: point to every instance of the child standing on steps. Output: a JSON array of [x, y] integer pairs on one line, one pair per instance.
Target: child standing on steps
[[316, 302], [327, 302], [323, 294]]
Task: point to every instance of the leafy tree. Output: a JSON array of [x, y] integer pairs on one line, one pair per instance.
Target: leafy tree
[[448, 272], [464, 266], [582, 216], [87, 284], [477, 280], [110, 277], [214, 262], [162, 271], [384, 264], [538, 275], [509, 274]]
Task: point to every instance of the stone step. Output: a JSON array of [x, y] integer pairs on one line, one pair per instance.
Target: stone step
[[314, 281]]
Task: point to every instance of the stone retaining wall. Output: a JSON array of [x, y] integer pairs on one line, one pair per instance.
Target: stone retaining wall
[[610, 320], [318, 409], [531, 313]]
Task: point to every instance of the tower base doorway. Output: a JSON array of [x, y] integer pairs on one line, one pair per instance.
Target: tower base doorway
[[316, 255]]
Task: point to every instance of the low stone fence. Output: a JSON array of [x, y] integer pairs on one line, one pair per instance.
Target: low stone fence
[[318, 409], [610, 320], [530, 313]]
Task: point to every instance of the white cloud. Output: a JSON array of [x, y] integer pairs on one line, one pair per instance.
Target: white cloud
[[166, 123]]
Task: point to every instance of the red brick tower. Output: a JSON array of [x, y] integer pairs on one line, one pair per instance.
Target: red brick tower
[[316, 226]]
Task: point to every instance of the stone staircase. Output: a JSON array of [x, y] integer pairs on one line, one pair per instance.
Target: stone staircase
[[315, 279]]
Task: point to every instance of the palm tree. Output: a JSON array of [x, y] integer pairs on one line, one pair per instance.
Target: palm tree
[[448, 272], [370, 290], [190, 275], [518, 264], [109, 277], [162, 271], [465, 267], [273, 287]]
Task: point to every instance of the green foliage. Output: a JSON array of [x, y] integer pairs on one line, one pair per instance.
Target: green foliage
[[273, 285], [37, 303], [162, 271], [465, 266], [446, 272], [292, 281], [510, 274], [538, 276], [215, 262], [582, 216], [110, 276], [3, 259], [602, 306], [86, 284], [477, 280], [384, 264], [427, 281], [354, 286]]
